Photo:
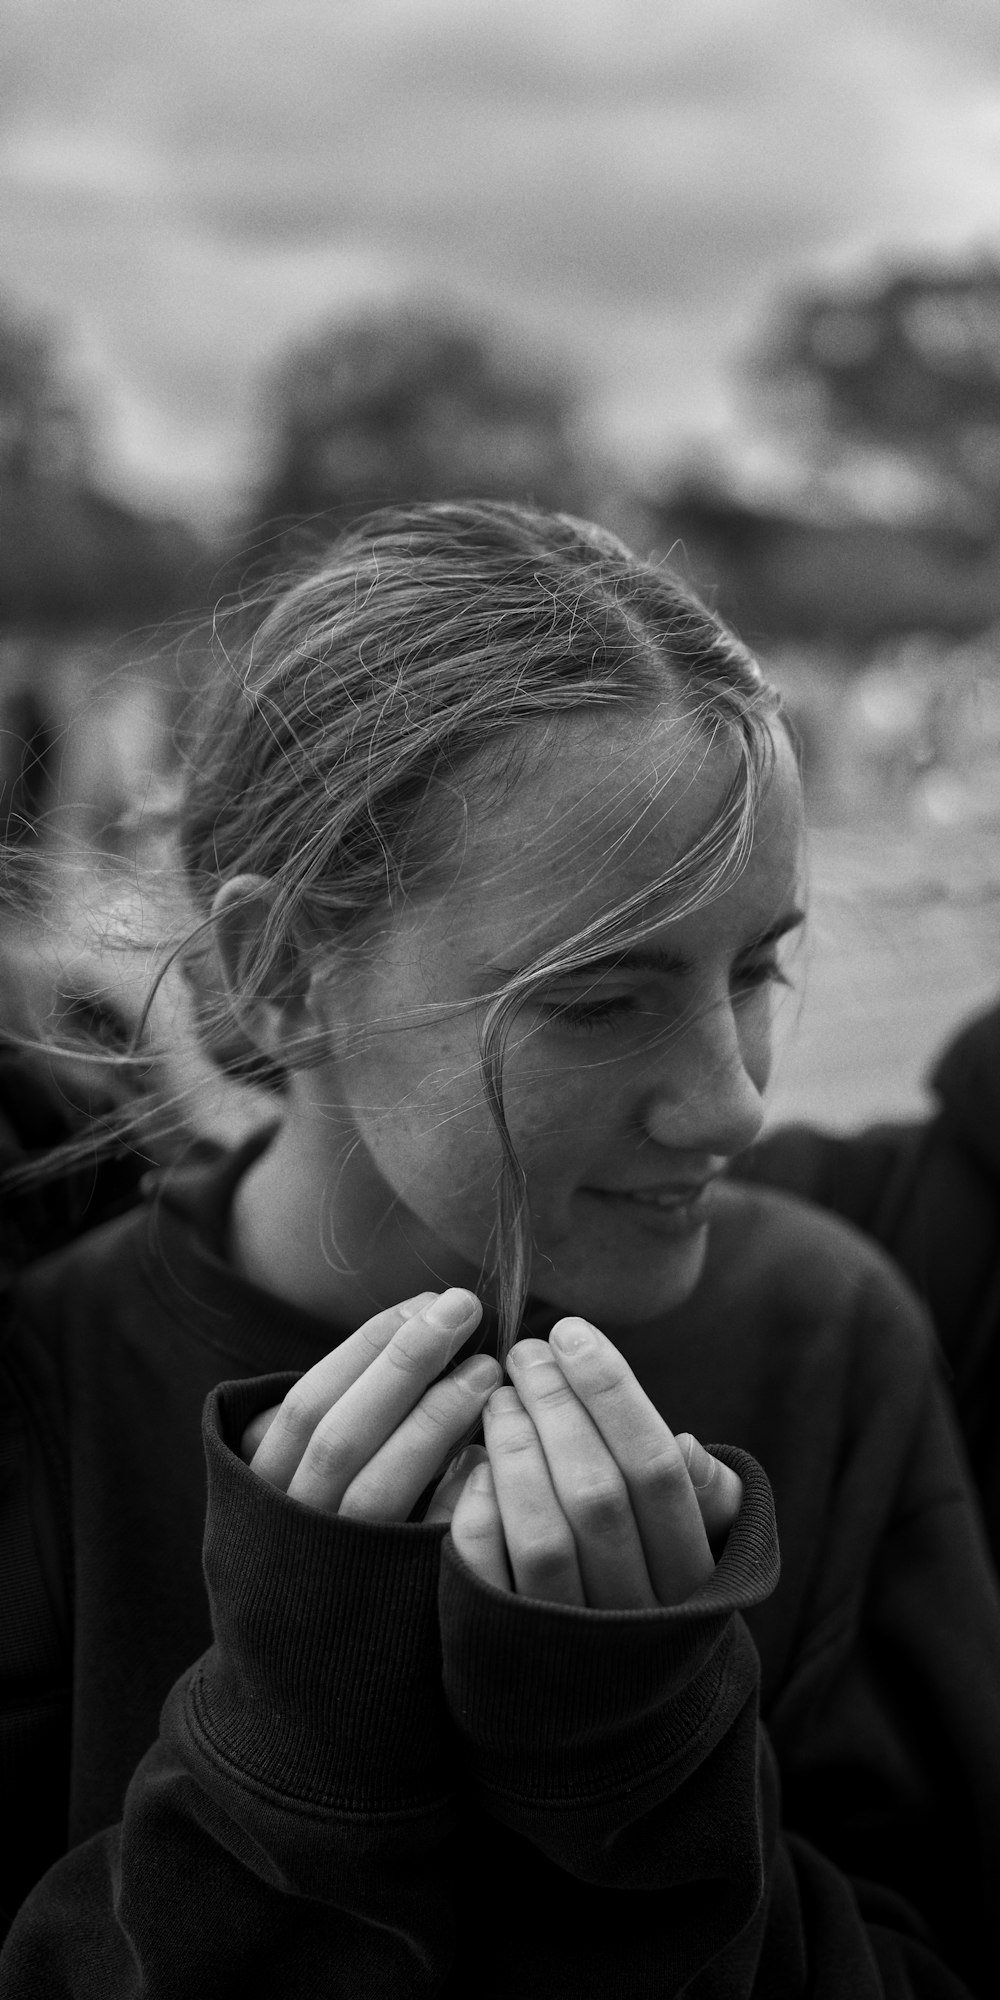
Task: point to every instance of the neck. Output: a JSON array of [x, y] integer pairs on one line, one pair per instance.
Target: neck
[[309, 1227]]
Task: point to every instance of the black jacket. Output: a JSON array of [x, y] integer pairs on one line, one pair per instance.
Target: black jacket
[[333, 1762], [927, 1191]]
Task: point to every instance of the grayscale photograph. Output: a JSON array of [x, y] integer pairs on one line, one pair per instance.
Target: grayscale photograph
[[500, 1000]]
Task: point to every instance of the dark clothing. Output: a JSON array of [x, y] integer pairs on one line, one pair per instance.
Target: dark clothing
[[37, 1114], [929, 1192], [373, 1774]]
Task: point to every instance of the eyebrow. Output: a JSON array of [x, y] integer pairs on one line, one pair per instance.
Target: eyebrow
[[661, 960]]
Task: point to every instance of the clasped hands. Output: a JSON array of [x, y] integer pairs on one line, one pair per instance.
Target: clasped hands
[[582, 1494]]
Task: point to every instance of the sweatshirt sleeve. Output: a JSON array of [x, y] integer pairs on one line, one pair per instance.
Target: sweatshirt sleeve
[[626, 1753], [292, 1812]]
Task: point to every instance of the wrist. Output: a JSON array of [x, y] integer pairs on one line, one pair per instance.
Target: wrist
[[556, 1696], [324, 1678]]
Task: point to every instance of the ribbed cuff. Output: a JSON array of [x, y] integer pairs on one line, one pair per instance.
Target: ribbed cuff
[[560, 1703], [324, 1681]]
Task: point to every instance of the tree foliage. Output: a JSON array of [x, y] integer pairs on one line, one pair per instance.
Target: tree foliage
[[909, 364], [412, 401], [70, 554], [42, 428]]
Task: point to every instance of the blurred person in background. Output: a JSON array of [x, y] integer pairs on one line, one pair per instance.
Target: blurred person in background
[[928, 1191], [71, 1152], [497, 832]]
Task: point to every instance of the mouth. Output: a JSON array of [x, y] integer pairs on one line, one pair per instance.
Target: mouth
[[682, 1205]]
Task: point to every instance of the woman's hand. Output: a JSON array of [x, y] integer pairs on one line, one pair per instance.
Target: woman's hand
[[364, 1432], [587, 1497]]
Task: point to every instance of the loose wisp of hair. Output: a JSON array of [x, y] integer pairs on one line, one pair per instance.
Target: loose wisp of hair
[[363, 705]]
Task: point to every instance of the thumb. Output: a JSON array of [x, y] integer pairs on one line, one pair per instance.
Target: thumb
[[717, 1488], [444, 1499], [256, 1431]]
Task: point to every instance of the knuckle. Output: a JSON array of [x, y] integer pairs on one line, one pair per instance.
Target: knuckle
[[552, 1389], [547, 1557], [513, 1436], [368, 1340], [301, 1409], [599, 1506], [325, 1451], [436, 1412], [406, 1351], [610, 1379], [662, 1476], [508, 1422]]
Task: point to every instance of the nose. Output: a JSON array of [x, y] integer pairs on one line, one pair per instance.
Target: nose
[[706, 1093]]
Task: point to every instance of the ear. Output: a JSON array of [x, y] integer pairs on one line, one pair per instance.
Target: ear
[[281, 1013]]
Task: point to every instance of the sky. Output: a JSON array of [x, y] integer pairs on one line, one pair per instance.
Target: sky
[[634, 184]]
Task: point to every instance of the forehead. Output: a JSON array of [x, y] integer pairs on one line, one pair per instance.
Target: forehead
[[601, 808]]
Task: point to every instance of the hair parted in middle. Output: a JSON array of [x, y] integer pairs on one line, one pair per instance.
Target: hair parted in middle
[[337, 747]]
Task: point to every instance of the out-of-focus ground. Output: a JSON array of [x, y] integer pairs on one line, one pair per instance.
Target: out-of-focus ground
[[903, 944], [902, 764]]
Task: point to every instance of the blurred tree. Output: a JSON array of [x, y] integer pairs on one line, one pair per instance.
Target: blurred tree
[[412, 401], [42, 429], [909, 366], [70, 556]]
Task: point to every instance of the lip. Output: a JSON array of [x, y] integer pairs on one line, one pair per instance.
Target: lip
[[662, 1194], [674, 1207]]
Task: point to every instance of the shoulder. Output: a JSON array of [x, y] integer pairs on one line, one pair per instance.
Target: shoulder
[[786, 1235], [802, 1276], [67, 1317], [819, 1360], [105, 1260], [145, 1258]]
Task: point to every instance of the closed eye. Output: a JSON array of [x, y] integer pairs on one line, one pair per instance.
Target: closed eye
[[590, 1014], [760, 972], [586, 1015]]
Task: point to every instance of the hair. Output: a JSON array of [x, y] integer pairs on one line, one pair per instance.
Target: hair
[[329, 755], [336, 746]]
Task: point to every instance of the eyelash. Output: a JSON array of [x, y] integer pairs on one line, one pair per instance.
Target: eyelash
[[584, 1016]]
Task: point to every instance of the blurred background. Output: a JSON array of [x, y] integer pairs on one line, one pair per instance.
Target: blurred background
[[725, 278]]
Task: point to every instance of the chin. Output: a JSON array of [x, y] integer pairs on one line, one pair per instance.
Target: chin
[[624, 1291]]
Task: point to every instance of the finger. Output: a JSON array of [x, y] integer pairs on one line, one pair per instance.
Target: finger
[[444, 1499], [717, 1488], [390, 1484], [477, 1529], [368, 1413], [666, 1509], [256, 1431], [315, 1392], [541, 1549], [589, 1486]]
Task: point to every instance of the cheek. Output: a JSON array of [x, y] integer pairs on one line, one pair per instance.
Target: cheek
[[418, 1107], [562, 1114]]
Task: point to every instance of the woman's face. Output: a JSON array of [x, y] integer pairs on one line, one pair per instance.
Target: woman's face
[[626, 1088]]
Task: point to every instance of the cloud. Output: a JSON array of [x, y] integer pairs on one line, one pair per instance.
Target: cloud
[[191, 185]]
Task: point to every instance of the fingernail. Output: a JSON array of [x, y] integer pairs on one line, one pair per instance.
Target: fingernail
[[479, 1373], [416, 1304], [461, 1462], [527, 1354], [480, 1479], [451, 1310], [701, 1465], [572, 1336]]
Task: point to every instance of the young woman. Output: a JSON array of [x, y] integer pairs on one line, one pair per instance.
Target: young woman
[[497, 834]]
